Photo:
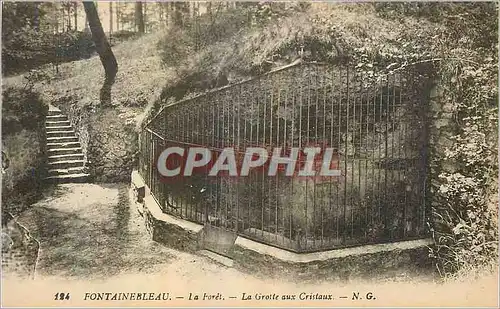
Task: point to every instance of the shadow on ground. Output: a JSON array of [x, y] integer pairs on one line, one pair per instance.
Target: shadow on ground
[[88, 231]]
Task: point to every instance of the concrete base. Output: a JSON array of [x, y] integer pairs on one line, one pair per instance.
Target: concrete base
[[405, 258]]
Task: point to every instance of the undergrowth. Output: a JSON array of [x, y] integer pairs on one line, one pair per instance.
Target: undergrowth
[[23, 147], [464, 186]]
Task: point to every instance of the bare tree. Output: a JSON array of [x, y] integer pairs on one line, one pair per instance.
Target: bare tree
[[103, 48], [110, 19], [139, 17], [75, 14], [180, 13], [160, 12], [117, 10], [68, 7], [145, 16]]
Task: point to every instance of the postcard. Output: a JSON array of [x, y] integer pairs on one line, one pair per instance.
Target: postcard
[[249, 154]]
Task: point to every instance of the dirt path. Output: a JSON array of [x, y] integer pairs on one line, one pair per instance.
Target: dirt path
[[89, 231], [89, 234]]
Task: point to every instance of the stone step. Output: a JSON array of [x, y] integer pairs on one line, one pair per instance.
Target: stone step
[[78, 156], [59, 128], [50, 124], [53, 112], [53, 151], [66, 171], [56, 118], [61, 133], [58, 139], [82, 177], [64, 145], [66, 164]]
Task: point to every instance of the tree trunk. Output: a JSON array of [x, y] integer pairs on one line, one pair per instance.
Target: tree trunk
[[170, 9], [139, 17], [117, 12], [69, 18], [36, 22], [63, 20], [181, 12], [145, 16], [209, 10], [103, 48], [110, 20], [160, 13], [75, 14]]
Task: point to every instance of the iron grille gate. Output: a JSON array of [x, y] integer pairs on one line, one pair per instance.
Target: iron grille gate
[[379, 130]]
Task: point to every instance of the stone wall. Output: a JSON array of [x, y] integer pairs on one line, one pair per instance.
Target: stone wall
[[112, 151], [108, 140], [441, 128], [79, 117], [370, 266]]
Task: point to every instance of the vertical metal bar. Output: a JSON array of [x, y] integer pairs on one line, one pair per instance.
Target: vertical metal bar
[[405, 156], [292, 142], [153, 178], [202, 130], [221, 142], [346, 156], [365, 104], [325, 144], [276, 196], [192, 122], [379, 184], [316, 137], [238, 147], [225, 189], [394, 201], [263, 143], [252, 98], [423, 162], [164, 188], [270, 94], [416, 134], [151, 160], [389, 201], [354, 160], [362, 190], [332, 123], [285, 136], [183, 194], [340, 94], [400, 144]]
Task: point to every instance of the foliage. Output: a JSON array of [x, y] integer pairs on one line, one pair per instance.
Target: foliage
[[464, 178], [29, 40], [22, 110], [465, 226], [27, 48], [233, 45], [23, 116]]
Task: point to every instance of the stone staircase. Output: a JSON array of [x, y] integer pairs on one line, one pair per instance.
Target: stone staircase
[[65, 156]]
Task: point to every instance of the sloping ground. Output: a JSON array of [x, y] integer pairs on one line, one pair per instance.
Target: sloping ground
[[107, 134], [140, 78], [324, 32]]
